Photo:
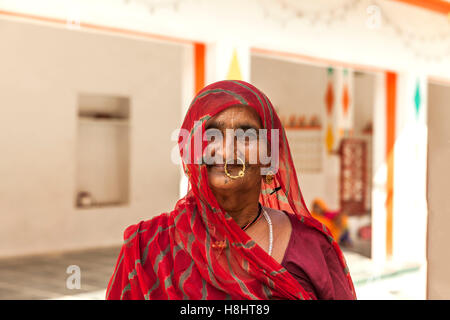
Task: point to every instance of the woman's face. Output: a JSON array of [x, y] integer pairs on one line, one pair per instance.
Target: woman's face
[[246, 148]]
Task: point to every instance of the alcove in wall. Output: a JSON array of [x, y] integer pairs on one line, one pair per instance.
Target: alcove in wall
[[103, 134]]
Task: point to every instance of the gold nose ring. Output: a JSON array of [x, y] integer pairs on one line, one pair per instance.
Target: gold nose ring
[[241, 172]]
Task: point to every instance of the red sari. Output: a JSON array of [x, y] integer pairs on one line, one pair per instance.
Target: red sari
[[197, 251]]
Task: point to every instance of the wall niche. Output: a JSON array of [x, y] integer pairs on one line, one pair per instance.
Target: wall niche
[[103, 144]]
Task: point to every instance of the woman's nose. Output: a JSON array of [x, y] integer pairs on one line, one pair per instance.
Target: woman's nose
[[224, 151]]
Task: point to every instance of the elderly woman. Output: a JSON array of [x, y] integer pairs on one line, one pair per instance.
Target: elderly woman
[[242, 231]]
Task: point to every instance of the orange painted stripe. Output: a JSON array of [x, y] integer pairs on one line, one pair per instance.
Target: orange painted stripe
[[391, 95], [199, 63], [438, 6]]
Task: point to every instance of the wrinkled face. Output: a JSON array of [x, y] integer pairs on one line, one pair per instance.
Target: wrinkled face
[[239, 129]]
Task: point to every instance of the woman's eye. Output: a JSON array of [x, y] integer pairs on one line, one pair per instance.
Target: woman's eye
[[212, 134], [248, 135], [253, 135]]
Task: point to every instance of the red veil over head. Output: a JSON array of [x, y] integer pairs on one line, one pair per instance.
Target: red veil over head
[[198, 251]]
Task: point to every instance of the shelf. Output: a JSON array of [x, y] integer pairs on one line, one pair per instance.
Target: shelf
[[104, 205], [103, 121]]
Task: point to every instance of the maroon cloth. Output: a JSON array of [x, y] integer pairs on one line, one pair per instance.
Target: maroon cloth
[[313, 262]]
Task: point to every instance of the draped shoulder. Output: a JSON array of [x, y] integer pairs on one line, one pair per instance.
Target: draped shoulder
[[143, 243], [141, 233]]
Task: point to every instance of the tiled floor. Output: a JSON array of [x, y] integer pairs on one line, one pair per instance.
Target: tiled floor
[[44, 277], [391, 281]]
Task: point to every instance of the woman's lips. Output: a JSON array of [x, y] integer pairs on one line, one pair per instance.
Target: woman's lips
[[222, 165], [231, 168], [216, 167]]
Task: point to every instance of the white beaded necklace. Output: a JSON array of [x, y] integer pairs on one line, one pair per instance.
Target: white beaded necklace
[[269, 222]]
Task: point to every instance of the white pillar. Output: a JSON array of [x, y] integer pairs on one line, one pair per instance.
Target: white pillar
[[379, 171], [410, 170]]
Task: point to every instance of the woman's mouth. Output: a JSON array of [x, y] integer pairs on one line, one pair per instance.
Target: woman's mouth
[[219, 167]]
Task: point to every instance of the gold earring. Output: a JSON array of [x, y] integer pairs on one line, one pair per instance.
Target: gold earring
[[241, 172], [269, 177]]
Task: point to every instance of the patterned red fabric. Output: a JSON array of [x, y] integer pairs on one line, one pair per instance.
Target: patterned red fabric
[[197, 251]]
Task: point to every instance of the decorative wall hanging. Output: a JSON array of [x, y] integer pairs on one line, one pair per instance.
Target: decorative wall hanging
[[353, 175], [417, 99], [345, 95], [329, 94], [418, 42], [234, 71], [345, 99], [288, 10], [329, 104], [153, 5], [434, 46], [329, 140]]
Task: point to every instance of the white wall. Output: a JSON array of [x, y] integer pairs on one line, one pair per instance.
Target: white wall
[[265, 24], [363, 100], [379, 171], [410, 153], [293, 88], [42, 71]]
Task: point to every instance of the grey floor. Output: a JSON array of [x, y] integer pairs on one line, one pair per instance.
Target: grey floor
[[45, 276]]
